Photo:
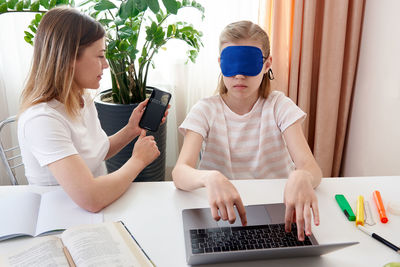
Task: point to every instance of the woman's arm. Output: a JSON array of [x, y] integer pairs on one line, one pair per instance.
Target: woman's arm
[[93, 194], [299, 196], [222, 195], [124, 136]]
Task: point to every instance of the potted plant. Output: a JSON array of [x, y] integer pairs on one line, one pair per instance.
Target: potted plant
[[135, 31]]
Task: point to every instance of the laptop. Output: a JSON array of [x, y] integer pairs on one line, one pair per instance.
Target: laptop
[[264, 237]]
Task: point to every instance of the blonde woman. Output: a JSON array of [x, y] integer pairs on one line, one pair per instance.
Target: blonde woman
[[58, 129], [248, 132]]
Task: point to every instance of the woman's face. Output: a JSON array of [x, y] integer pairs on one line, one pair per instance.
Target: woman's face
[[90, 65], [242, 86]]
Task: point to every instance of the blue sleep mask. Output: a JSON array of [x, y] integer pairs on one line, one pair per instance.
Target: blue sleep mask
[[244, 60]]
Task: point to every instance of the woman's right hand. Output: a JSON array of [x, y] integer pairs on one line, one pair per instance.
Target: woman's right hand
[[145, 149], [223, 196]]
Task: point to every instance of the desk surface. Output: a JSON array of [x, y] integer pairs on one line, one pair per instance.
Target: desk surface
[[152, 212]]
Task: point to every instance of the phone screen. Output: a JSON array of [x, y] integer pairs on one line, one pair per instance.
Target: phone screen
[[155, 109]]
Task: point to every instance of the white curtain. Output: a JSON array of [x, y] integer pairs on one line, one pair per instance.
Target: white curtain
[[187, 82], [15, 59]]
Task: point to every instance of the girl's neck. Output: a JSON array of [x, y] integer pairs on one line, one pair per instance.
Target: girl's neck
[[240, 106]]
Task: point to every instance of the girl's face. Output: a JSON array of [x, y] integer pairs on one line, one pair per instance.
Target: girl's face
[[242, 86], [89, 66]]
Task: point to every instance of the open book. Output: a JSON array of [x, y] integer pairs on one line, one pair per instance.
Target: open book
[[103, 244], [33, 214]]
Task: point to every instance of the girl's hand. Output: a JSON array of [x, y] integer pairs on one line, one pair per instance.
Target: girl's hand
[[145, 149], [133, 123], [300, 198], [223, 196]]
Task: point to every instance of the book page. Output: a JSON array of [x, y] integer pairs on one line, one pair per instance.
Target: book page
[[98, 245], [58, 212], [45, 251], [19, 212]]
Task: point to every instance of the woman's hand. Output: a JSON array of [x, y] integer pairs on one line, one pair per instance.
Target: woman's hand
[[145, 149], [223, 196], [300, 198], [133, 123]]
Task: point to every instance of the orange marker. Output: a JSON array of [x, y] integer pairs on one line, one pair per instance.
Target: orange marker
[[380, 207]]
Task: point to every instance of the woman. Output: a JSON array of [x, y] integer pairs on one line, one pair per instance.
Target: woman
[[58, 129]]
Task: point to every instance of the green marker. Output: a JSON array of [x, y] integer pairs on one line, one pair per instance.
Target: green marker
[[344, 205]]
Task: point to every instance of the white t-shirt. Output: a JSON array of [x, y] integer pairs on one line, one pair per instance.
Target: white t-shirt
[[249, 146], [46, 134]]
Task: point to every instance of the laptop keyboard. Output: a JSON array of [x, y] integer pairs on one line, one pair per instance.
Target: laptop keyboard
[[223, 239]]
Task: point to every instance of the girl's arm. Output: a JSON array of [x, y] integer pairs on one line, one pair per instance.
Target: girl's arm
[[299, 196], [222, 195], [93, 194]]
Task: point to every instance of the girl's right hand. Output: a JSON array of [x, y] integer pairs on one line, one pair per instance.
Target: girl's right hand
[[145, 149], [223, 196]]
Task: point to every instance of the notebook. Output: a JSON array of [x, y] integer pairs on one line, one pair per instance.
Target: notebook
[[264, 237]]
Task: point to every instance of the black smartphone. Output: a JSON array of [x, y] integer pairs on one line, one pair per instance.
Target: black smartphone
[[155, 109]]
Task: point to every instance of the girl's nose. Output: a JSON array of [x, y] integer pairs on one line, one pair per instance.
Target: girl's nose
[[239, 76]]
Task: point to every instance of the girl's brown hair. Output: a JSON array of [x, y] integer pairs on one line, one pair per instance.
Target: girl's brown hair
[[246, 30], [62, 35]]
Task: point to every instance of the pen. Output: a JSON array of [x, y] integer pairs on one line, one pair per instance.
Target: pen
[[344, 205], [379, 205], [360, 211], [380, 239]]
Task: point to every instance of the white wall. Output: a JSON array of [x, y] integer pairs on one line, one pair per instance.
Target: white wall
[[373, 144]]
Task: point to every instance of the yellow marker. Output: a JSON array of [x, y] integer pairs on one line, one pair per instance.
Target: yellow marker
[[360, 211]]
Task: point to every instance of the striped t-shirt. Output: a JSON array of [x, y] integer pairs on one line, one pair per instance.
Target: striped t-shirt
[[249, 146]]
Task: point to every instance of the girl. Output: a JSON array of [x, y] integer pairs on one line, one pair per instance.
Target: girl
[[248, 132], [59, 132]]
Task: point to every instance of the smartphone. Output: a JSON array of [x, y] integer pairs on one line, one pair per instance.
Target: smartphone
[[155, 109]]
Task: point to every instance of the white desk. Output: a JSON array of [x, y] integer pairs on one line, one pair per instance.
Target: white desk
[[152, 212]]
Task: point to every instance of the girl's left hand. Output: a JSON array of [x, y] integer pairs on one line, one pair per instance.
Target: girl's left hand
[[300, 198]]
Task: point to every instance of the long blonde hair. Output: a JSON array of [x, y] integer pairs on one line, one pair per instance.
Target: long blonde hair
[[62, 35], [245, 30]]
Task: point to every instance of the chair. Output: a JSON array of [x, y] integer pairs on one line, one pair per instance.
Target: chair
[[10, 155]]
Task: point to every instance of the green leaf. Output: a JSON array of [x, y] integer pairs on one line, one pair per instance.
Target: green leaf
[[105, 22], [32, 28], [169, 30], [28, 34], [52, 3], [125, 32], [44, 4], [38, 17], [141, 5], [132, 51], [144, 52], [35, 6], [123, 45], [2, 1], [153, 5], [28, 40], [111, 45], [171, 6], [3, 8], [19, 6], [27, 3], [104, 5], [12, 3]]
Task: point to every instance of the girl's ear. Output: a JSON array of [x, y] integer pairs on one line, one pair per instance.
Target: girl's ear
[[268, 64], [219, 60]]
